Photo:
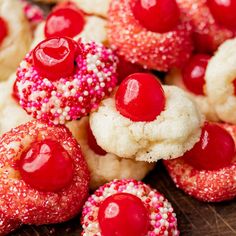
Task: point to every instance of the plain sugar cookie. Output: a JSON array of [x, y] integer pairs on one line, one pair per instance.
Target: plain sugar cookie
[[220, 75], [17, 40], [167, 135], [103, 166]]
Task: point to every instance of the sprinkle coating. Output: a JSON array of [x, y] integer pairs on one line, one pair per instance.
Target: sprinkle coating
[[208, 186], [22, 202], [7, 225], [33, 13], [73, 97], [203, 22], [162, 217], [138, 45]]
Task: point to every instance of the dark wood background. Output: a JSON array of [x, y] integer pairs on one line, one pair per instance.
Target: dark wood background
[[194, 218]]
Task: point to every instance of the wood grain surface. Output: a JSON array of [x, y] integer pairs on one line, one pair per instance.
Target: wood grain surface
[[194, 218]]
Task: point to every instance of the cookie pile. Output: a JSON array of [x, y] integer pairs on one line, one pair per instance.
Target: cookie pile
[[82, 108]]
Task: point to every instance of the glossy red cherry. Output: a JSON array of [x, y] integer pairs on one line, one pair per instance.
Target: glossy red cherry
[[93, 143], [46, 166], [54, 58], [223, 12], [123, 214], [234, 83], [3, 30], [126, 68], [64, 21], [140, 97], [15, 92], [203, 43], [194, 73], [157, 15], [215, 150]]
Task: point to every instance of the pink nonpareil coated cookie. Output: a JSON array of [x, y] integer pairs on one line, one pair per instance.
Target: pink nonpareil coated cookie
[[33, 13], [128, 207], [62, 80]]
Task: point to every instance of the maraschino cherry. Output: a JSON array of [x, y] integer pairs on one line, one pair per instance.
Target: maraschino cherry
[[203, 43], [66, 20], [194, 73], [126, 68], [93, 143], [140, 97], [54, 58], [15, 94], [46, 166], [123, 214], [234, 83], [157, 15], [3, 29], [224, 12], [215, 150]]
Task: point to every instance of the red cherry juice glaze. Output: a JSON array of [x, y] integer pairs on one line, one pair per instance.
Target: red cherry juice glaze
[[3, 30], [46, 166], [214, 151], [54, 58], [194, 73], [66, 21], [123, 214], [93, 143], [224, 12], [140, 97], [126, 68], [157, 15]]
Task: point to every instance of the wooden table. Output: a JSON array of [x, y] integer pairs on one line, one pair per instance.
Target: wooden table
[[194, 218]]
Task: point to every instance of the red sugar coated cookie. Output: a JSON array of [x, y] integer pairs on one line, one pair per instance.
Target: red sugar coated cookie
[[208, 35], [210, 186], [22, 202], [7, 225], [160, 212], [72, 97], [158, 51]]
